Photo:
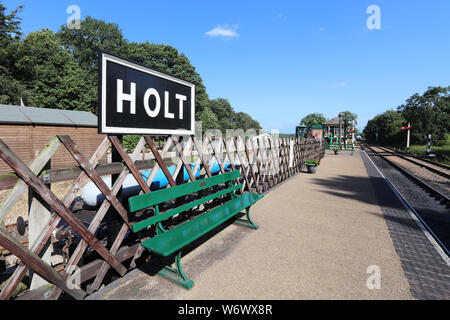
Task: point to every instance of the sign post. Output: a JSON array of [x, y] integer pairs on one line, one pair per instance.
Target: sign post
[[134, 99]]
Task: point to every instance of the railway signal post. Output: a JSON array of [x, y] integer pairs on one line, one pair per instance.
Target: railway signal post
[[408, 136]]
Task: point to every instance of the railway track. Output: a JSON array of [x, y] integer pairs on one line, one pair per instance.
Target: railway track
[[435, 183], [426, 200], [434, 167]]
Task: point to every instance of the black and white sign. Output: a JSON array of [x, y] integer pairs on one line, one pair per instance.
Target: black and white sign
[[137, 100]]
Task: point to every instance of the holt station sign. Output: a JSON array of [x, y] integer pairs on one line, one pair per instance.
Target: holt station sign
[[134, 99]]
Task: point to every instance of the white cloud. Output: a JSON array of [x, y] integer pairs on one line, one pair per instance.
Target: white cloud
[[343, 84], [321, 29], [223, 31]]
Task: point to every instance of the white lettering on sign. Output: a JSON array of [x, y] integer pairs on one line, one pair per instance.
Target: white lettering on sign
[[181, 99], [131, 97], [152, 92], [167, 114], [127, 97], [134, 99]]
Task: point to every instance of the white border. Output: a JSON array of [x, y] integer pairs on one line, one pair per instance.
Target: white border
[[106, 129]]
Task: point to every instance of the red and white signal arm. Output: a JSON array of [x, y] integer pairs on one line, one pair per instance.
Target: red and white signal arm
[[405, 128], [350, 130]]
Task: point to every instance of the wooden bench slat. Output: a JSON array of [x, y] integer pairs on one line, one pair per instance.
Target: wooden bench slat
[[170, 241], [163, 216], [150, 199]]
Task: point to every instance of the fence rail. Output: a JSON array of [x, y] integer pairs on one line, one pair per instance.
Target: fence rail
[[263, 161]]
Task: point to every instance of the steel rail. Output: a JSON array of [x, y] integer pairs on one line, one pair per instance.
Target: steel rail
[[413, 212], [406, 154], [415, 179], [408, 157]]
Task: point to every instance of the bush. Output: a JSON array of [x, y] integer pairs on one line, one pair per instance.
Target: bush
[[130, 142], [312, 161]]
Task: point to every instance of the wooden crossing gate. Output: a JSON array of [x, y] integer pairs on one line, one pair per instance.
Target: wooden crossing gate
[[264, 162]]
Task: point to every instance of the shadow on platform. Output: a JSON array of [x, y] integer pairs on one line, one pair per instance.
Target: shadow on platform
[[355, 188]]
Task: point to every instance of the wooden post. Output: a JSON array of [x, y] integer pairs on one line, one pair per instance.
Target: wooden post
[[25, 174], [38, 217], [34, 262], [20, 187], [37, 247]]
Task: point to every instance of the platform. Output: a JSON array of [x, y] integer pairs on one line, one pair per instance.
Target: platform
[[321, 236]]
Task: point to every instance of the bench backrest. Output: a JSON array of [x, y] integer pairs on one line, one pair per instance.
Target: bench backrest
[[157, 197]]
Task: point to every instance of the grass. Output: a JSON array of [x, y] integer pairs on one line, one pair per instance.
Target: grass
[[442, 151]]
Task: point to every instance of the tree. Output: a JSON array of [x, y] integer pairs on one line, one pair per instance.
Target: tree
[[243, 121], [387, 125], [226, 118], [10, 30], [51, 74], [224, 112], [167, 59], [209, 119], [313, 119], [348, 118], [93, 35], [61, 70], [11, 90], [428, 114]]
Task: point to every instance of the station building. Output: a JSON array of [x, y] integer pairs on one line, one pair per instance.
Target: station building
[[27, 130]]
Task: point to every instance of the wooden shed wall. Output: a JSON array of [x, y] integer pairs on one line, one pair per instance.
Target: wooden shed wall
[[27, 141]]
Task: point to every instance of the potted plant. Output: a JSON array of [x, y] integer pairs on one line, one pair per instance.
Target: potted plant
[[311, 165], [336, 150]]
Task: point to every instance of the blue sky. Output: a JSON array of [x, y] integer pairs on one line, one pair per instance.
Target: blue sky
[[280, 60]]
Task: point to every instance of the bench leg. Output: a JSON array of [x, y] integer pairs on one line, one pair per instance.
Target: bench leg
[[247, 222], [176, 274]]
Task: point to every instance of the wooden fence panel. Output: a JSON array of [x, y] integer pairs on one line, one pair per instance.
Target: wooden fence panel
[[264, 162]]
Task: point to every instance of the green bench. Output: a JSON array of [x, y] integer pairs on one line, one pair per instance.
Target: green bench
[[168, 242]]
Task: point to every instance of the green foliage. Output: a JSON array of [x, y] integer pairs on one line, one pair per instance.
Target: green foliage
[[11, 90], [10, 30], [209, 119], [388, 125], [428, 114], [312, 161], [227, 118], [348, 117], [94, 35], [313, 119], [130, 141], [442, 152], [243, 121], [61, 70], [51, 74], [168, 60]]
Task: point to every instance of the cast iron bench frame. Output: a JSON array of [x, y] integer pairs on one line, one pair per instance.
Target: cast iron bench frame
[[168, 242]]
